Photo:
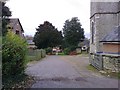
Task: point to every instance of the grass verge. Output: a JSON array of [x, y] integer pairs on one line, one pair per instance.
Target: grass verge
[[105, 73], [91, 68]]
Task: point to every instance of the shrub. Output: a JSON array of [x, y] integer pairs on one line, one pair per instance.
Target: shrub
[[14, 52], [66, 51], [49, 50], [70, 49]]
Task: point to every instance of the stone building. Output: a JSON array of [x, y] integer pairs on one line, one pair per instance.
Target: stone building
[[105, 17], [16, 26]]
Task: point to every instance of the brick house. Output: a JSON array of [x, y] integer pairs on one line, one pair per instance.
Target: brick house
[[104, 40], [16, 26]]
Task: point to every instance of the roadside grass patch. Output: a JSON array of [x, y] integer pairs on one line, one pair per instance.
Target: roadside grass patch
[[112, 74], [92, 68], [61, 53], [104, 73], [84, 55]]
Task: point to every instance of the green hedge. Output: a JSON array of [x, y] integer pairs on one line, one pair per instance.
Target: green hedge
[[14, 50], [69, 49]]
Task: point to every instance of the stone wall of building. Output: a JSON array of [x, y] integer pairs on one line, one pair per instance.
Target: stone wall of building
[[103, 7], [105, 18]]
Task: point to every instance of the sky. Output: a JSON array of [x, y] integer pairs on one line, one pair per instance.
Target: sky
[[32, 13]]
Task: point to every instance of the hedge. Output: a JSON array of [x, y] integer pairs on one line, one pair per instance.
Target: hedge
[[14, 50]]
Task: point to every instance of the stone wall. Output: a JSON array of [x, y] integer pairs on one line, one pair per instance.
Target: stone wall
[[105, 62], [105, 20], [111, 63]]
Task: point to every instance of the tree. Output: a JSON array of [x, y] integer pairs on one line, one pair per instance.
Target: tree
[[5, 14], [73, 32], [47, 36]]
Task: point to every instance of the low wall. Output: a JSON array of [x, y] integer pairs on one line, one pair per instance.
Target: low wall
[[111, 63], [105, 62]]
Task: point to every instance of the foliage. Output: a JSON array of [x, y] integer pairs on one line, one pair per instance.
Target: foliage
[[66, 51], [69, 49], [47, 36], [49, 50], [73, 33], [5, 14], [14, 50], [20, 81]]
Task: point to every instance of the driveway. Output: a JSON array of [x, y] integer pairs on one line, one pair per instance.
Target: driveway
[[67, 72]]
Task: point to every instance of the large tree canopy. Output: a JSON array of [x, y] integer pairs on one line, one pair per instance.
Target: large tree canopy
[[5, 13], [47, 36], [73, 32]]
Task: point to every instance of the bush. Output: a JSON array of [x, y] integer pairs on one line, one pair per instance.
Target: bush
[[49, 50], [66, 51], [70, 49], [14, 52]]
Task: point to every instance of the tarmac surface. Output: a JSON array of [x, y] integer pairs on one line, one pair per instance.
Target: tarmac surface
[[67, 72]]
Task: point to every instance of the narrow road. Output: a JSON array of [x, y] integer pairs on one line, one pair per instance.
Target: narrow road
[[67, 72]]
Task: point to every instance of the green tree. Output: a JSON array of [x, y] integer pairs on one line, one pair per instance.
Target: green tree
[[73, 32], [47, 36], [5, 14]]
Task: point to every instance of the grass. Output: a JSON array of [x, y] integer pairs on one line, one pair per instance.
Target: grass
[[112, 74], [84, 54], [107, 74], [90, 67], [62, 53]]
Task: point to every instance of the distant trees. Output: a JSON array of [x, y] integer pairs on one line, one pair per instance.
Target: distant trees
[[47, 36], [73, 32]]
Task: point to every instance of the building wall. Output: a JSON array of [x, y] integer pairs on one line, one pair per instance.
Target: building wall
[[111, 48], [105, 18], [14, 23]]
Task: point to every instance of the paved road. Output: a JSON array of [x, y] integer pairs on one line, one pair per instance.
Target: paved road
[[67, 72]]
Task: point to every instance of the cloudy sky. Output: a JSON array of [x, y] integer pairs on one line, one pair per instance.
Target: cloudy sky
[[34, 12]]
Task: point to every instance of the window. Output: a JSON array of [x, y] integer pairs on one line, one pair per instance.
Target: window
[[93, 32], [17, 32]]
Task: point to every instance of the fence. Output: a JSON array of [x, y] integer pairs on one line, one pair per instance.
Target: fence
[[36, 54]]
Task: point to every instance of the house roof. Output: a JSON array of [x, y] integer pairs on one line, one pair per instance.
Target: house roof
[[30, 40], [86, 42], [14, 21], [113, 36]]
